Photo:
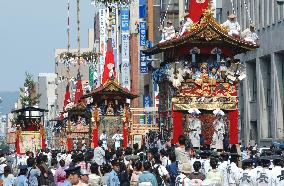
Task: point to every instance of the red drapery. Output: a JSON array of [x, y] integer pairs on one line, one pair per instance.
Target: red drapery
[[43, 145], [109, 65], [195, 9], [95, 137], [79, 90], [177, 126], [67, 96], [69, 144], [125, 135], [233, 117], [18, 143]]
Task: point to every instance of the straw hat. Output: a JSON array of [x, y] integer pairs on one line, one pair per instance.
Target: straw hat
[[186, 14], [232, 16], [186, 168], [170, 22], [2, 160], [252, 25]]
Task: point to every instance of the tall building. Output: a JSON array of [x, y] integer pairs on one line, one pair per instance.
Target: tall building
[[262, 92], [47, 100]]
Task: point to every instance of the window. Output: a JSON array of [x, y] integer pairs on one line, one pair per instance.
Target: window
[[219, 14]]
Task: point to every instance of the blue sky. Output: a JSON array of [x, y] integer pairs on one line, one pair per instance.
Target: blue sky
[[30, 31]]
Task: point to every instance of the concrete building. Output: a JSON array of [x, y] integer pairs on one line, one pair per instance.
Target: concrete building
[[62, 75], [262, 92], [3, 124], [47, 100]]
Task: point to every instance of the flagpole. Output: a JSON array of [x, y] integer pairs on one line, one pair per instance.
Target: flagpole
[[78, 31], [68, 25]]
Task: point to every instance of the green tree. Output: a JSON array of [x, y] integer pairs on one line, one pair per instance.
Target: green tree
[[28, 95]]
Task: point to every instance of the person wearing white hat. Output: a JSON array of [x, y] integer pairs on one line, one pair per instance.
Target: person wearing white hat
[[117, 137], [219, 130], [182, 179], [187, 24], [103, 138], [168, 32], [250, 34], [233, 26], [2, 165]]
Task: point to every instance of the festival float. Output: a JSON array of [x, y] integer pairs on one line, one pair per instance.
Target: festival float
[[30, 133], [198, 82]]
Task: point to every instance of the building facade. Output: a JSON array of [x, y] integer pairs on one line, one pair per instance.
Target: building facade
[[47, 100], [262, 92]]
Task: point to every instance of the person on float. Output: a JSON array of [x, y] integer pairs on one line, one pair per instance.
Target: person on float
[[194, 127], [250, 34], [233, 26], [187, 24], [219, 130], [104, 138], [245, 176], [168, 32], [117, 137]]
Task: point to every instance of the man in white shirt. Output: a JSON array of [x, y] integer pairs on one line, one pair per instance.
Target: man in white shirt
[[223, 168], [245, 177], [277, 172], [232, 25], [233, 170], [117, 139], [182, 155], [263, 177], [99, 154], [103, 138], [163, 173], [250, 34]]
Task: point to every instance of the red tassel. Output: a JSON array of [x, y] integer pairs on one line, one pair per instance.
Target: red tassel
[[43, 145], [18, 144], [95, 137], [233, 117], [177, 126], [69, 144], [125, 136]]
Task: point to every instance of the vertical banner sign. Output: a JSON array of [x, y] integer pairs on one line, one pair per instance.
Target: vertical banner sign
[[143, 63], [102, 19], [142, 27], [125, 70], [147, 104], [114, 40]]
